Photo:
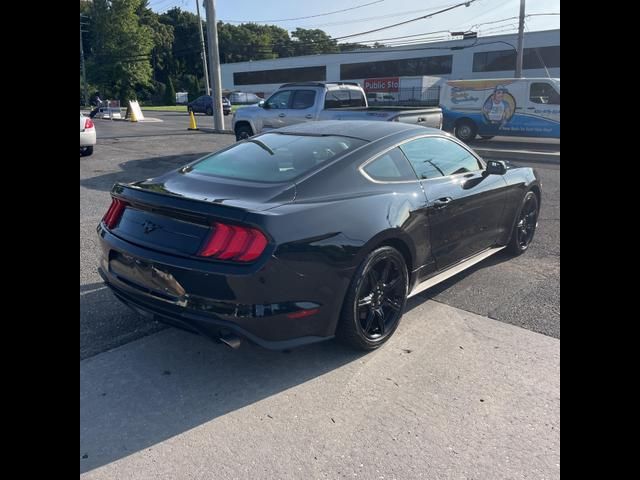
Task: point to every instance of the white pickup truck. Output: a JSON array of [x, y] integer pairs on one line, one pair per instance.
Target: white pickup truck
[[294, 103]]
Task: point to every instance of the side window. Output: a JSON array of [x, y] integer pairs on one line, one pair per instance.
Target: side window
[[434, 157], [356, 98], [543, 93], [337, 99], [303, 99], [391, 166], [280, 100]]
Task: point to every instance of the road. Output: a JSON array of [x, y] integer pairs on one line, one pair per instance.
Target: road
[[467, 388]]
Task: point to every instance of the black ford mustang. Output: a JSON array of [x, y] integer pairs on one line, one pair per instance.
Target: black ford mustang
[[312, 231]]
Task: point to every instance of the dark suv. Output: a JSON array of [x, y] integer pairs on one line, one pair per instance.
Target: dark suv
[[204, 104]]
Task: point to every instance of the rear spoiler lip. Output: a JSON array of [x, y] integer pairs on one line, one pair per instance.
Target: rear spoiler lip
[[177, 202]]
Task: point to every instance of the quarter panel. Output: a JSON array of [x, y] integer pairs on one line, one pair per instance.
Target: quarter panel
[[519, 180]]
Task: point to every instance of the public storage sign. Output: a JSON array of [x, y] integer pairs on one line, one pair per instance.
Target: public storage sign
[[386, 84]]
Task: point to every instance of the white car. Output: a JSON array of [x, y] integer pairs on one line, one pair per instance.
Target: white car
[[87, 136]]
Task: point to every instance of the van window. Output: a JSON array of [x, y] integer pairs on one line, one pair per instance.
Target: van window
[[543, 93]]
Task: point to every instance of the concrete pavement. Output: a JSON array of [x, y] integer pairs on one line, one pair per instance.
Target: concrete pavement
[[452, 395]]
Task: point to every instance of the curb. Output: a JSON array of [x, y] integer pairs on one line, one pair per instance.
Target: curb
[[213, 130]]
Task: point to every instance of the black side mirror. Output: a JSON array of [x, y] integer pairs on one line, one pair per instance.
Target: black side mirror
[[264, 104], [496, 167]]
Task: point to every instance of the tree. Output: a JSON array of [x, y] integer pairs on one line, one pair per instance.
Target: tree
[[170, 93], [121, 50], [163, 40], [312, 42], [250, 41], [185, 54], [344, 47]]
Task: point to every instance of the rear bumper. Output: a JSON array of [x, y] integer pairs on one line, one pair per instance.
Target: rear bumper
[[88, 138], [209, 325], [255, 304]]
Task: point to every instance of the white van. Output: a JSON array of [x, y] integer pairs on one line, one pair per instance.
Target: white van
[[522, 107]]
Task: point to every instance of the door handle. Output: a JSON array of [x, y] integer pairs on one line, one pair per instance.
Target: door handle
[[308, 115], [531, 108], [282, 115], [442, 202]]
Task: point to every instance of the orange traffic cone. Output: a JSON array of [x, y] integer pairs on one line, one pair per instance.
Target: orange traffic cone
[[192, 122]]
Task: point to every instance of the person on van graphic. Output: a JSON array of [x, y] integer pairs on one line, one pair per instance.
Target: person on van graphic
[[497, 109]]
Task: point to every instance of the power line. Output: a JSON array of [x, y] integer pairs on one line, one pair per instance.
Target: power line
[[407, 21], [406, 36], [377, 17], [449, 31], [309, 16]]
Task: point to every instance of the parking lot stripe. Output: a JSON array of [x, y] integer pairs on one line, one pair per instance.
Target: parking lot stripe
[[91, 291]]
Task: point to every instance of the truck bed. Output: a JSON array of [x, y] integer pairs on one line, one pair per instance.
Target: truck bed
[[425, 116]]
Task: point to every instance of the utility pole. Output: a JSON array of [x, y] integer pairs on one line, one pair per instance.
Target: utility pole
[[520, 52], [214, 61], [85, 101], [204, 51]]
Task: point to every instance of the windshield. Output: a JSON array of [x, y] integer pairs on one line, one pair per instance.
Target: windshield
[[275, 157]]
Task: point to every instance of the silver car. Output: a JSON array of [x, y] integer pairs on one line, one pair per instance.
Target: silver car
[[87, 136]]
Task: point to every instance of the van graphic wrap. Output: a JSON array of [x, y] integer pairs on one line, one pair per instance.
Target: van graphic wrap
[[500, 107]]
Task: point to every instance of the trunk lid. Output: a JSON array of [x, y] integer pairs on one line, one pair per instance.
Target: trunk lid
[[175, 213]]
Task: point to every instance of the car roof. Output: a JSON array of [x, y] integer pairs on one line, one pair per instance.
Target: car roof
[[363, 129]]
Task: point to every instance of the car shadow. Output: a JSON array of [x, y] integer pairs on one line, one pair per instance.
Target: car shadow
[[168, 383], [136, 170], [165, 384]]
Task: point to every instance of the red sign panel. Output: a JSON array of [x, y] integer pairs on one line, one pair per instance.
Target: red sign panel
[[387, 84]]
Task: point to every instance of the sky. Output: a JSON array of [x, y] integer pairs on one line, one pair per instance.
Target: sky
[[380, 13]]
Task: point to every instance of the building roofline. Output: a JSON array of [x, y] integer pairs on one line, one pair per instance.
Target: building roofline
[[415, 47]]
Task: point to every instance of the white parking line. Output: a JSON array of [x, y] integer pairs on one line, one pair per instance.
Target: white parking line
[[91, 291]]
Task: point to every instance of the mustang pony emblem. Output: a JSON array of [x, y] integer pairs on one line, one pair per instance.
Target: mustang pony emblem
[[149, 227]]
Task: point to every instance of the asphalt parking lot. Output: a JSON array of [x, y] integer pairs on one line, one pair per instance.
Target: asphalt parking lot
[[524, 291], [468, 389]]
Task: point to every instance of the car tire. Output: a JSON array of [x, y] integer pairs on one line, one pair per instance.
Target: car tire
[[243, 131], [86, 151], [189, 109], [375, 301], [525, 224], [209, 111], [466, 130]]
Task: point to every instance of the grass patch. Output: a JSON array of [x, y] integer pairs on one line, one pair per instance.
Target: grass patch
[[167, 108]]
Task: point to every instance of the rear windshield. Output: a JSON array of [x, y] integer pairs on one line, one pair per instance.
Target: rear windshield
[[275, 157]]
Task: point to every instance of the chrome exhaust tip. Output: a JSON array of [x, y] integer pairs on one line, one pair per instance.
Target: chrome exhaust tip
[[231, 340]]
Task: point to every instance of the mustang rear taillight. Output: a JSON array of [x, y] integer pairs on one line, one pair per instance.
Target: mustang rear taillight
[[234, 242], [112, 217], [88, 123]]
